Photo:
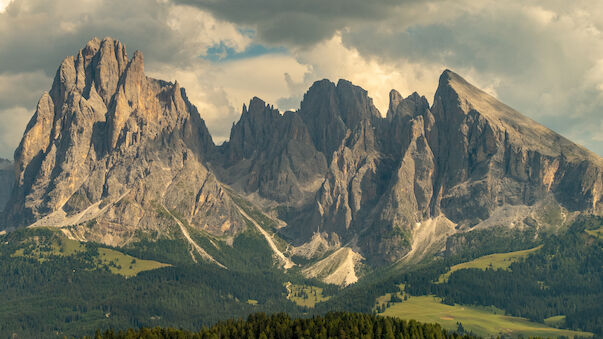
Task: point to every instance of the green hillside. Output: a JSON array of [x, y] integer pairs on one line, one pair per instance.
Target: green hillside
[[44, 248], [55, 286], [479, 320], [495, 261]]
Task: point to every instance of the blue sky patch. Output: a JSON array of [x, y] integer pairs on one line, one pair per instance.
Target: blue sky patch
[[221, 52]]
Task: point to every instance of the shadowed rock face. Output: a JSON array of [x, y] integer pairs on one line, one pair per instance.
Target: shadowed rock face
[[490, 155], [458, 162], [272, 154], [110, 145]]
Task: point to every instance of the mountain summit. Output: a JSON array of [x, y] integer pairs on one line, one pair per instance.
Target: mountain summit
[[116, 157], [110, 147]]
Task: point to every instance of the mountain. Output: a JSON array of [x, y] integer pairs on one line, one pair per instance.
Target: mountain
[[116, 157], [397, 187], [111, 153]]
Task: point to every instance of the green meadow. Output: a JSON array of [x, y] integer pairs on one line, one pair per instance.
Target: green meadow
[[598, 233], [305, 295], [482, 321], [497, 261], [116, 262]]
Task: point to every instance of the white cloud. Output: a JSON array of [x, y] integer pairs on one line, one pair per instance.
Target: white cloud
[[333, 60], [220, 90], [4, 4], [13, 124]]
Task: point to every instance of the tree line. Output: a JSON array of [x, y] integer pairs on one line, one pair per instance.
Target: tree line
[[282, 326]]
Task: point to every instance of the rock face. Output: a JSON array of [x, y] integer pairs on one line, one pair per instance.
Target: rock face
[[119, 151], [392, 186], [486, 149], [114, 153], [7, 181], [272, 154]]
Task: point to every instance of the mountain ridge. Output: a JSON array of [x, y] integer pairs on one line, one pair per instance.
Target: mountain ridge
[[114, 156]]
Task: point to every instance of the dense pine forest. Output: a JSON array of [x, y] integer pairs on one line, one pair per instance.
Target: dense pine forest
[[281, 325]]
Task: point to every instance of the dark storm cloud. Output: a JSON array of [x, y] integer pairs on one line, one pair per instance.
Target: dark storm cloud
[[297, 22], [38, 34]]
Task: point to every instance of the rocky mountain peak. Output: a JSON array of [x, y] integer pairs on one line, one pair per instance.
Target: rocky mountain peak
[[354, 104], [253, 130], [105, 131], [96, 67], [408, 107], [331, 110], [459, 98], [486, 148], [394, 100]]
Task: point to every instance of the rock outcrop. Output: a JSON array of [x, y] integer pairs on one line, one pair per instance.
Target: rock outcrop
[[272, 154], [489, 155]]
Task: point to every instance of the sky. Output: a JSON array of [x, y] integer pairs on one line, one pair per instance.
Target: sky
[[543, 58]]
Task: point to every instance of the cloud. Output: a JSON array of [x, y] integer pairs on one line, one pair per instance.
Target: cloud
[[543, 58], [22, 89], [30, 29], [36, 35], [4, 4], [297, 22], [13, 124], [219, 90]]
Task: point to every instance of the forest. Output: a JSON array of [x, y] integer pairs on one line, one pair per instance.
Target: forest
[[564, 277], [70, 296], [282, 326]]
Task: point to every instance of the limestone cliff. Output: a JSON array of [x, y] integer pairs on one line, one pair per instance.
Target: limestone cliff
[[118, 152], [419, 172]]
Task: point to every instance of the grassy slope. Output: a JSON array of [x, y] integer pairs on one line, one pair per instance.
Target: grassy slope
[[116, 262], [124, 264], [314, 295], [477, 319], [493, 261], [555, 321]]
